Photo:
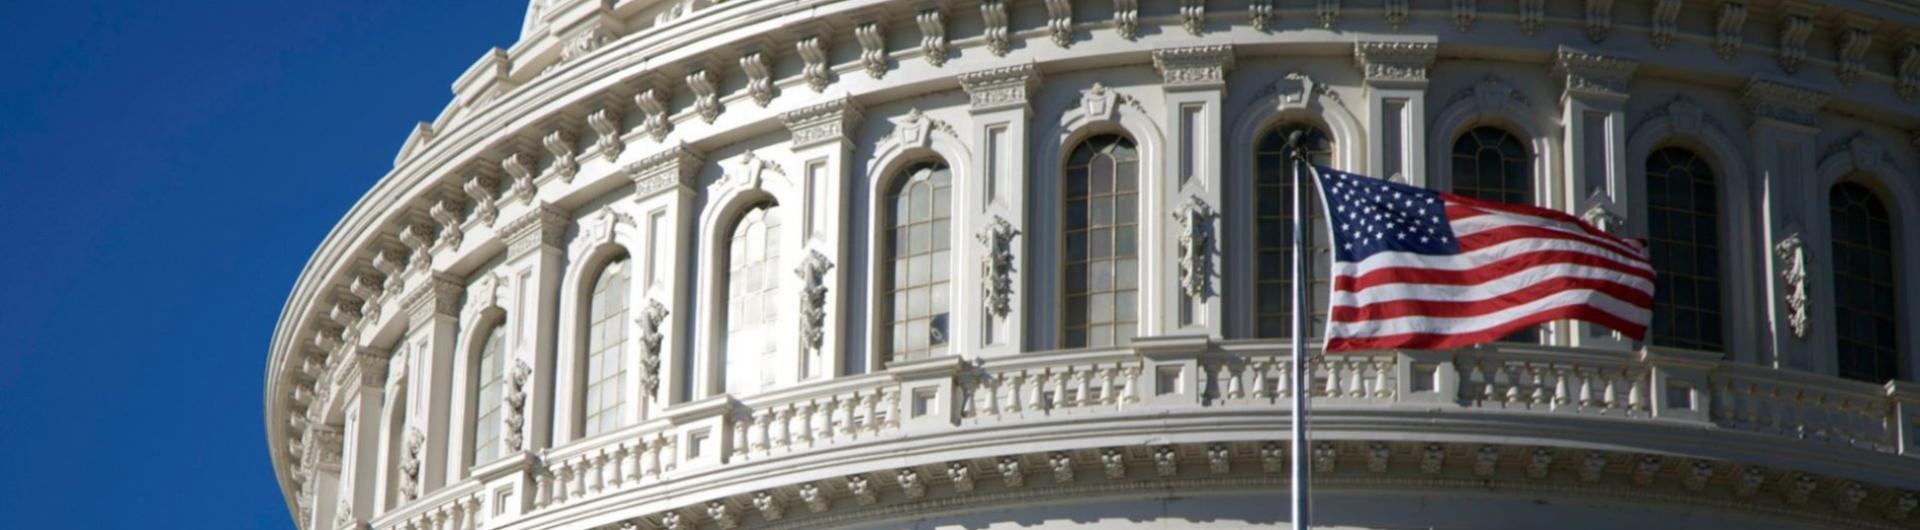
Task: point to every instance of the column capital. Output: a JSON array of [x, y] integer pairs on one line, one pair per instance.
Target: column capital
[[439, 295], [1194, 66], [323, 448], [823, 122], [1387, 62], [1777, 101], [366, 366], [1000, 88], [1588, 74], [672, 168], [545, 221]]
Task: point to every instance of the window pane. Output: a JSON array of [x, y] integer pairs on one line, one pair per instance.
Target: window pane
[[606, 335], [1865, 283], [1099, 240], [1273, 231], [755, 280], [920, 261]]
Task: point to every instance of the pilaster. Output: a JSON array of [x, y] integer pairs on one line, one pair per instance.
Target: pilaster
[[1593, 110], [995, 209], [533, 270], [822, 142], [433, 321], [362, 385], [1189, 302], [1395, 76], [1785, 122], [663, 187]]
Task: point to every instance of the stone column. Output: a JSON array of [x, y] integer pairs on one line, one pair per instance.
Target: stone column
[[822, 143], [362, 385], [994, 206], [1593, 110], [1782, 135], [322, 460], [1395, 75], [433, 314], [1186, 254], [663, 187], [533, 269]]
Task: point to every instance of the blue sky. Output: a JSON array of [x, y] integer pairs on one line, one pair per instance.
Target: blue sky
[[165, 170]]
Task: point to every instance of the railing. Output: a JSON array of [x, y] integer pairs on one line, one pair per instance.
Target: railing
[[1663, 387]]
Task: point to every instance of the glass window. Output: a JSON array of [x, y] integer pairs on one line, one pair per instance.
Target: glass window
[[1865, 298], [1273, 233], [1683, 236], [753, 287], [1099, 221], [489, 381], [918, 240], [1493, 165], [606, 337]]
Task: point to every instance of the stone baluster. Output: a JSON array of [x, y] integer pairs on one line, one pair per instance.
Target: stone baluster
[[542, 490], [782, 427], [892, 408], [1235, 389], [1490, 391], [743, 433], [1259, 369], [562, 480], [849, 410], [1107, 391], [1036, 388], [1539, 382], [630, 462], [874, 421], [653, 459], [1357, 378], [1637, 392], [1334, 381], [1083, 386], [1132, 392], [1060, 398], [1283, 386], [580, 479]]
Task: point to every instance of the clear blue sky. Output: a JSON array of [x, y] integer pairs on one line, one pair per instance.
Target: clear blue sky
[[165, 170]]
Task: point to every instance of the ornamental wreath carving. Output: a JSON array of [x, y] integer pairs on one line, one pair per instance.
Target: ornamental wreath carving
[[650, 320], [813, 299], [997, 266], [1196, 239], [1793, 270]]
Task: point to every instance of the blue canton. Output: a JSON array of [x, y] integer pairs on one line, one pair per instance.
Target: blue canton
[[1370, 215]]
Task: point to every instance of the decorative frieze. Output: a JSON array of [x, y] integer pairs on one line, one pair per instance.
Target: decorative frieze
[[1782, 102], [674, 167], [999, 88], [706, 94], [813, 299], [1394, 62], [606, 129], [1666, 22], [1195, 247], [652, 102], [997, 266], [1727, 19], [933, 36], [1126, 18], [1194, 67], [759, 76], [813, 52], [1594, 75], [560, 145], [873, 48], [1060, 22], [824, 122], [1792, 256], [999, 39]]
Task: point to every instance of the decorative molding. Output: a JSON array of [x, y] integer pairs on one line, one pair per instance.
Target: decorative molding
[[1686, 117], [1193, 16], [652, 101], [520, 176], [1126, 18], [485, 293], [759, 76], [914, 129], [1727, 19], [1260, 14], [1793, 270], [1394, 62], [1491, 94], [675, 167], [1530, 15], [770, 507], [515, 419], [560, 144], [997, 266], [813, 299], [606, 129], [813, 52], [440, 294], [449, 214], [410, 464], [999, 39], [601, 230], [1600, 213], [873, 48], [1298, 91], [1795, 25], [651, 319], [1855, 39], [1774, 100], [752, 169], [822, 123], [1666, 22], [1394, 13], [479, 191], [1593, 75], [1194, 67], [933, 36], [1195, 247], [419, 242], [1060, 22], [1326, 12], [706, 94], [543, 226], [1000, 88], [1599, 19], [910, 483]]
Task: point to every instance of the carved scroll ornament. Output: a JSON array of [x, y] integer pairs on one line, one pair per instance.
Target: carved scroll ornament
[[1793, 269]]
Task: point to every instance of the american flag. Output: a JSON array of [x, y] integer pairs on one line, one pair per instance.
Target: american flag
[[1419, 269]]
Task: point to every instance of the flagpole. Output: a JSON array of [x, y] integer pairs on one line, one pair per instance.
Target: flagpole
[[1301, 380]]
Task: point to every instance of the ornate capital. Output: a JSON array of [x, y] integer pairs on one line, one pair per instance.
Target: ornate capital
[[1778, 101], [439, 295], [672, 168], [1000, 88], [1395, 62], [1194, 67], [1593, 75], [366, 367], [543, 226], [324, 447], [822, 123]]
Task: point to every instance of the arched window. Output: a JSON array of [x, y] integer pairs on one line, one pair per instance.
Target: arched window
[[489, 382], [1865, 280], [1273, 232], [1491, 164], [606, 339], [1100, 223], [753, 287], [1684, 238], [917, 249]]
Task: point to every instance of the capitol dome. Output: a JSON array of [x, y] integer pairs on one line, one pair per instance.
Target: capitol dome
[[1014, 264]]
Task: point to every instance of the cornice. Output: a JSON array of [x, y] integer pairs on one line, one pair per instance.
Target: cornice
[[1394, 62], [1194, 66], [1779, 101], [1588, 74], [1000, 88]]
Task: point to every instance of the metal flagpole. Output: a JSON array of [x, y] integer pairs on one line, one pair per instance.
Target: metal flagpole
[[1301, 380]]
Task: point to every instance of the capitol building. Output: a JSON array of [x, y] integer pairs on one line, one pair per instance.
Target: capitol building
[[1009, 264]]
